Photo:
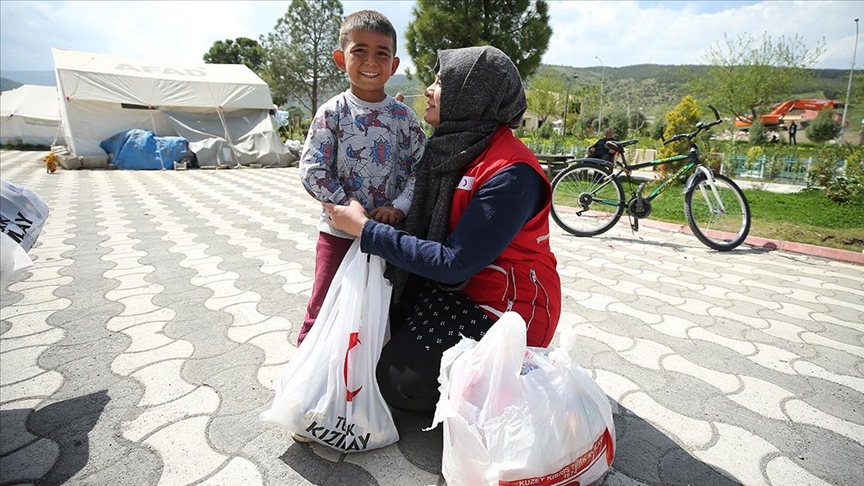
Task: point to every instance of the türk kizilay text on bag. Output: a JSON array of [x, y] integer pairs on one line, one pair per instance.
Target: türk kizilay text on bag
[[340, 436], [20, 223]]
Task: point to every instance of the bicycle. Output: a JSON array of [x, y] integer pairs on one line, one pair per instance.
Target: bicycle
[[588, 197]]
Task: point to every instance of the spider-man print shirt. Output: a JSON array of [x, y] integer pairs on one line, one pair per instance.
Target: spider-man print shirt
[[368, 151]]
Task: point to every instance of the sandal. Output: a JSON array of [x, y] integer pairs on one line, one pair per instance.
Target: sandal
[[300, 439]]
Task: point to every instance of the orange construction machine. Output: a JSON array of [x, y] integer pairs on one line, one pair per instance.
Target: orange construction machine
[[809, 107]]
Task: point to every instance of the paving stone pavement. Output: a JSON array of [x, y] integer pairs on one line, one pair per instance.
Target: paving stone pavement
[[144, 343]]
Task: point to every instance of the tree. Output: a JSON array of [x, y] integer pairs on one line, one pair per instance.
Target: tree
[[546, 95], [618, 121], [299, 52], [637, 122], [747, 73], [823, 128], [658, 128], [239, 51], [520, 28], [757, 134], [682, 119]]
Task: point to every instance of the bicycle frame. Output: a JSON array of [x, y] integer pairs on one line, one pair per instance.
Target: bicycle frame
[[664, 184]]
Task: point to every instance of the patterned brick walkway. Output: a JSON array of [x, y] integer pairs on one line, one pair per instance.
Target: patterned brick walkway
[[143, 345]]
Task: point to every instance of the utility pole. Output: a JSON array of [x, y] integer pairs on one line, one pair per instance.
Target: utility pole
[[567, 104], [848, 87], [602, 78]]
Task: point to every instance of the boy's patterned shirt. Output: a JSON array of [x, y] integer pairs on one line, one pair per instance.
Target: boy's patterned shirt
[[368, 151]]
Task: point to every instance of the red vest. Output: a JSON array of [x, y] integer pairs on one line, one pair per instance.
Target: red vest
[[523, 278]]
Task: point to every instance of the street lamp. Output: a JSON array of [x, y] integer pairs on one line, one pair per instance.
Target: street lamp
[[849, 86], [602, 78], [567, 103]]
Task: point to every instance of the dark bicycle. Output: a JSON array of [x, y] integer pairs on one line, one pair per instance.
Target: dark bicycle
[[588, 198]]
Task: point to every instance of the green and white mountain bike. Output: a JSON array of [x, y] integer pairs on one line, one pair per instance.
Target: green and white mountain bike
[[588, 196]]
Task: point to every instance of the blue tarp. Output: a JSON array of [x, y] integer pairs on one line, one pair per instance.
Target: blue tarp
[[138, 149]]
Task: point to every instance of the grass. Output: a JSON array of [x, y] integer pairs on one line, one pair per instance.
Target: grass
[[804, 217]]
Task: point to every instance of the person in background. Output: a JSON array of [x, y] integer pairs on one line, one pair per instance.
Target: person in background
[[400, 97], [599, 149], [476, 242], [793, 130]]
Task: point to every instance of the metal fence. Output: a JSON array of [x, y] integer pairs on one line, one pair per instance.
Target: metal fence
[[789, 170]]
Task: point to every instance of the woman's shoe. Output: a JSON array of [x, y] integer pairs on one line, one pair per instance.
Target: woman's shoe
[[300, 439]]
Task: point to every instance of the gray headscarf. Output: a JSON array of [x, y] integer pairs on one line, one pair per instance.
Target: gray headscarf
[[480, 90]]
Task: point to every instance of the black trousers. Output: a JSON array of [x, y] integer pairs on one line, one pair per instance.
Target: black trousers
[[411, 361]]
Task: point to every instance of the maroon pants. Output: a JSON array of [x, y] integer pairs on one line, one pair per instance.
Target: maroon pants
[[329, 253]]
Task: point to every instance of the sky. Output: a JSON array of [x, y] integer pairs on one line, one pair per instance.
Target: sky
[[585, 33]]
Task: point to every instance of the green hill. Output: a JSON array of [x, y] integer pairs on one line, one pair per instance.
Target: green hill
[[654, 88]]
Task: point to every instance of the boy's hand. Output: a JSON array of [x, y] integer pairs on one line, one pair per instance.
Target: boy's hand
[[387, 215]]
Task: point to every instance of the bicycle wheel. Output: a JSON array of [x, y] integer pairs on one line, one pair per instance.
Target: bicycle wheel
[[586, 200], [719, 216]]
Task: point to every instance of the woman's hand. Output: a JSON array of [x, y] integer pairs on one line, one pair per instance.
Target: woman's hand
[[349, 219]]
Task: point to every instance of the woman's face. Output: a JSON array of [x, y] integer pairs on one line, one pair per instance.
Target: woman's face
[[433, 102]]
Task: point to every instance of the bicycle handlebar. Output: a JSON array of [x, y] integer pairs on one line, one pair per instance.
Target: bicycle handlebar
[[700, 127]]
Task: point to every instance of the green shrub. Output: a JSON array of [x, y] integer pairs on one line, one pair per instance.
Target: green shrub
[[545, 131], [823, 168], [845, 190], [682, 119], [854, 157], [823, 128], [757, 134], [618, 121], [657, 129], [848, 188]]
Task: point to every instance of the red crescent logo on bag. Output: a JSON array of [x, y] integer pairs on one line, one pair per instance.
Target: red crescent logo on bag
[[353, 340]]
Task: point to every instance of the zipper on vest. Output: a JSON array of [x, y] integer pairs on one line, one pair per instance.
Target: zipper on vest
[[533, 276], [540, 285], [511, 276]]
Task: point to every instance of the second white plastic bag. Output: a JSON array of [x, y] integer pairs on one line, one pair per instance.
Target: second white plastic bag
[[328, 391], [517, 415]]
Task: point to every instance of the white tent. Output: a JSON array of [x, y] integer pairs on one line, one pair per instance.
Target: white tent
[[30, 115], [223, 110]]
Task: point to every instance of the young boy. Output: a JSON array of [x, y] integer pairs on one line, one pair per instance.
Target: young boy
[[362, 144]]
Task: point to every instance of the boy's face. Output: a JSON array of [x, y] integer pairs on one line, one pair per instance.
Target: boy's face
[[369, 62]]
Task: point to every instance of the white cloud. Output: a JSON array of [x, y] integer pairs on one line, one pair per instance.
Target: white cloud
[[620, 33], [628, 33]]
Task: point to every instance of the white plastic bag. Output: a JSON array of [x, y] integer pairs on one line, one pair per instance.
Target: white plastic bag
[[518, 415], [328, 391], [13, 258], [22, 215]]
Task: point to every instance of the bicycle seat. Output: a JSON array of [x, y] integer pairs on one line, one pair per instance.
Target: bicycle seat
[[618, 146]]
